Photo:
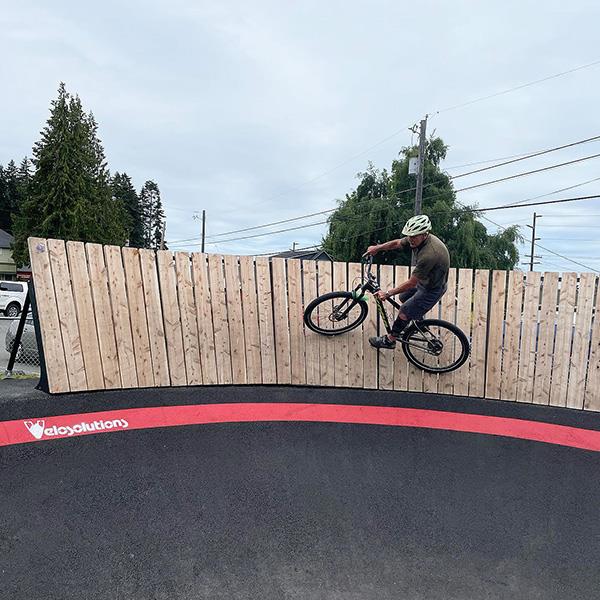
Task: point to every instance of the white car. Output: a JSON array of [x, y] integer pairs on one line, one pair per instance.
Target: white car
[[12, 297]]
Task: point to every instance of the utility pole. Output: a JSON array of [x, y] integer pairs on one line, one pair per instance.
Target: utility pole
[[203, 228], [534, 239], [420, 170], [162, 237], [421, 167]]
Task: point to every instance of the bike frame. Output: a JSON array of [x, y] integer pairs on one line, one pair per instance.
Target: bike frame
[[371, 285]]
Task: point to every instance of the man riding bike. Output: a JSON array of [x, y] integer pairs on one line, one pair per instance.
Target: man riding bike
[[427, 283]]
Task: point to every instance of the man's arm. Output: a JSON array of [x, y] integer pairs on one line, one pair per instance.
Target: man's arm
[[391, 245], [407, 285]]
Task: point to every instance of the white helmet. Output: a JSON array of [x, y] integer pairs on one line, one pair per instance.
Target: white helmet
[[417, 225]]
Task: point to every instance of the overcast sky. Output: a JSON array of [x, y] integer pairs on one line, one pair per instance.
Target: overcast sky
[[247, 109]]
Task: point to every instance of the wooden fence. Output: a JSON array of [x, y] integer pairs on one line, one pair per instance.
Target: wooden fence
[[116, 317]]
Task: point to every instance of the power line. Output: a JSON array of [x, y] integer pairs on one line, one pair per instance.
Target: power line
[[247, 237], [485, 162], [571, 187], [538, 153], [445, 210], [567, 258], [562, 200], [570, 162], [513, 89], [242, 230], [394, 134], [527, 156], [536, 244]]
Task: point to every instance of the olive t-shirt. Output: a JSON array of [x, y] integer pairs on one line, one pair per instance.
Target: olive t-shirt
[[433, 262]]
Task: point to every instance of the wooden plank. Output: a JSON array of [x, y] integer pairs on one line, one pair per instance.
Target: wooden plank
[[204, 317], [386, 357], [137, 313], [355, 337], [415, 377], [401, 364], [592, 388], [313, 369], [265, 320], [154, 315], [220, 322], [67, 315], [84, 306], [167, 278], [104, 319], [510, 354], [564, 336], [236, 320], [121, 316], [495, 335], [326, 343], [250, 315], [464, 320], [280, 317], [295, 305], [581, 340], [371, 355], [189, 321], [342, 373], [531, 302], [546, 334], [54, 353], [448, 313], [430, 380], [480, 311]]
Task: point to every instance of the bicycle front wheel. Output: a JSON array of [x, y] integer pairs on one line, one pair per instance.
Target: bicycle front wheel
[[435, 346], [335, 313]]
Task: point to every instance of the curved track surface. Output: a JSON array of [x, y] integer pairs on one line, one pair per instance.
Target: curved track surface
[[271, 493]]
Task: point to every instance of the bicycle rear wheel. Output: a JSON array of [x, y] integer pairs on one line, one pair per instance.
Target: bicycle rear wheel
[[435, 346], [335, 313]]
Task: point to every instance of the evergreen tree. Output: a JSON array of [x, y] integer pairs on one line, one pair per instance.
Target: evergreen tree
[[14, 189], [153, 215], [69, 195], [123, 190], [383, 201], [5, 220]]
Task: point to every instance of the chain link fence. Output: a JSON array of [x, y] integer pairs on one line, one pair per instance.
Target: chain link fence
[[28, 359]]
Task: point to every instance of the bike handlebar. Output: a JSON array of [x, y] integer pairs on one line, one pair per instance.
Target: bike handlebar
[[368, 260]]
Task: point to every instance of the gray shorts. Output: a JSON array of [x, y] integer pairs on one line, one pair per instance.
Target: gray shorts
[[417, 301]]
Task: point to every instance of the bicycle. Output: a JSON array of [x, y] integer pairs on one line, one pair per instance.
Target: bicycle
[[421, 340]]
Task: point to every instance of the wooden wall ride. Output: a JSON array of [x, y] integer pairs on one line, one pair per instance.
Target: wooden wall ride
[[114, 317]]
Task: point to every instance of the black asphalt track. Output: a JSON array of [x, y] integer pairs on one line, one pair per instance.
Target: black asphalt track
[[296, 510]]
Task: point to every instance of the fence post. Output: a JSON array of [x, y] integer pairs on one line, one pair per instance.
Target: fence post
[[15, 347]]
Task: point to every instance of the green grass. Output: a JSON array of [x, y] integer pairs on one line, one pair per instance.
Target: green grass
[[19, 376]]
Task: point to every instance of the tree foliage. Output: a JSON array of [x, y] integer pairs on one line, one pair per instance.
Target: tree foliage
[[153, 215], [69, 195], [14, 189], [124, 192], [384, 200]]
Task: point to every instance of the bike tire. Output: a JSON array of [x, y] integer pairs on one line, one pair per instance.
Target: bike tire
[[461, 338], [311, 318]]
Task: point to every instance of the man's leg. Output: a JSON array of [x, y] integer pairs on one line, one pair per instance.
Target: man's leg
[[418, 303], [388, 341]]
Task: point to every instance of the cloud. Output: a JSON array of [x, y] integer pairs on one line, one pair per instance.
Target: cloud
[[252, 110]]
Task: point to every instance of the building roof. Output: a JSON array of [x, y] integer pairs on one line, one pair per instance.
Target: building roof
[[305, 255], [5, 239]]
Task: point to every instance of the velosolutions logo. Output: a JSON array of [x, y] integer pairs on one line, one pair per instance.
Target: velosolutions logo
[[39, 430]]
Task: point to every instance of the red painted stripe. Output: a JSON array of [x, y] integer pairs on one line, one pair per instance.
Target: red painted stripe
[[23, 431]]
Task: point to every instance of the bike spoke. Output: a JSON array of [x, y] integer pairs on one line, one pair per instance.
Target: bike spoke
[[325, 314], [437, 349]]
